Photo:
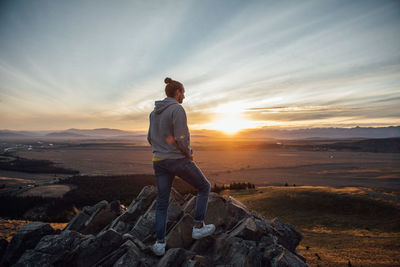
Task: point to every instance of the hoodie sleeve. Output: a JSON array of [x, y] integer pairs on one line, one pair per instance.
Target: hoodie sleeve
[[149, 133], [181, 131]]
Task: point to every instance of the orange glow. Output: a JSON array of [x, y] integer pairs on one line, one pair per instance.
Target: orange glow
[[230, 125], [230, 119]]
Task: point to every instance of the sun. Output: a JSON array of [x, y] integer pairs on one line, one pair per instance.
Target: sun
[[229, 119], [230, 125]]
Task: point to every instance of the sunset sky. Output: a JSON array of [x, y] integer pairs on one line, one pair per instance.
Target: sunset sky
[[244, 64]]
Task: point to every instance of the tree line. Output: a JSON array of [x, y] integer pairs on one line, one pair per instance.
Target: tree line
[[233, 186]]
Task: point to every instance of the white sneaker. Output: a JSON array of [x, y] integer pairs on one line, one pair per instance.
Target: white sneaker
[[204, 231], [158, 248]]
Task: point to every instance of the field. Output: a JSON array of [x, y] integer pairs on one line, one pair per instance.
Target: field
[[258, 165], [339, 225], [347, 203]]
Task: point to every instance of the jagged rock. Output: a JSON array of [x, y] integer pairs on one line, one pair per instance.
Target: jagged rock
[[26, 238], [78, 221], [288, 235], [113, 257], [137, 242], [174, 209], [134, 257], [104, 243], [180, 235], [242, 237], [144, 199], [54, 249], [177, 196], [220, 212], [236, 212], [279, 256], [145, 225], [3, 247], [238, 252], [174, 257], [248, 229], [126, 221], [187, 197], [216, 209], [203, 246], [196, 261], [268, 239], [189, 206], [82, 219], [192, 263], [102, 217]]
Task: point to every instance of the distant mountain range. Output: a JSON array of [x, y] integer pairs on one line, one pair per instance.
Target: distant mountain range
[[331, 132], [266, 132], [100, 133]]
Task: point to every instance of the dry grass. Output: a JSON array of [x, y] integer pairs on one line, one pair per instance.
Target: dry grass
[[340, 248], [363, 231], [8, 228], [255, 165]]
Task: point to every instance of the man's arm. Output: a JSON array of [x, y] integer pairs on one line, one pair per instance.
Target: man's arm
[[149, 133], [181, 131]]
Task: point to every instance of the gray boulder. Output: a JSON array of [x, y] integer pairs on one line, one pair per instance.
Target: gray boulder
[[197, 261], [26, 238], [235, 251], [82, 219], [136, 241], [93, 252], [216, 209], [288, 235], [177, 196], [145, 225], [134, 257], [54, 249], [203, 246], [180, 235], [3, 247], [174, 257], [127, 220], [102, 217], [248, 229], [113, 257], [242, 237], [279, 256], [236, 212]]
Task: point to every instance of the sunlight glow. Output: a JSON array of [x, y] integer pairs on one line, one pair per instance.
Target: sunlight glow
[[229, 119], [230, 125]]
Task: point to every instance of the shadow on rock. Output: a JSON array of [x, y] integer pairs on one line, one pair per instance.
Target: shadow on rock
[[107, 234]]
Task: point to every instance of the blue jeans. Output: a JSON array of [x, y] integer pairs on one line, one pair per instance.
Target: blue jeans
[[165, 172]]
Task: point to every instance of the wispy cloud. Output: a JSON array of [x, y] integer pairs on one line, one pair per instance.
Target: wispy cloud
[[280, 62]]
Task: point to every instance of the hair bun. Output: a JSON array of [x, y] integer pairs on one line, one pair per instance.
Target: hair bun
[[167, 80]]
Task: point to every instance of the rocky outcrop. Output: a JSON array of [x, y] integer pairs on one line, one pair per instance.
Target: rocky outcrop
[[3, 247], [107, 234], [27, 237]]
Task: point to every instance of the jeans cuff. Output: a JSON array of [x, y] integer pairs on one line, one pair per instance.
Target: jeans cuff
[[198, 221]]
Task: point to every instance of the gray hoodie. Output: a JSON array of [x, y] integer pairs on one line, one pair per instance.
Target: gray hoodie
[[168, 131]]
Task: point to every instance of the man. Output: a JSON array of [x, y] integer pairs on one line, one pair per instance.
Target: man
[[172, 156]]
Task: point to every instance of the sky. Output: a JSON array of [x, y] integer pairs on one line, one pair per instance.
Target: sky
[[244, 64]]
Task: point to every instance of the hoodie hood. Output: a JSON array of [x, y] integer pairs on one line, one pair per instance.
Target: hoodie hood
[[162, 105]]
